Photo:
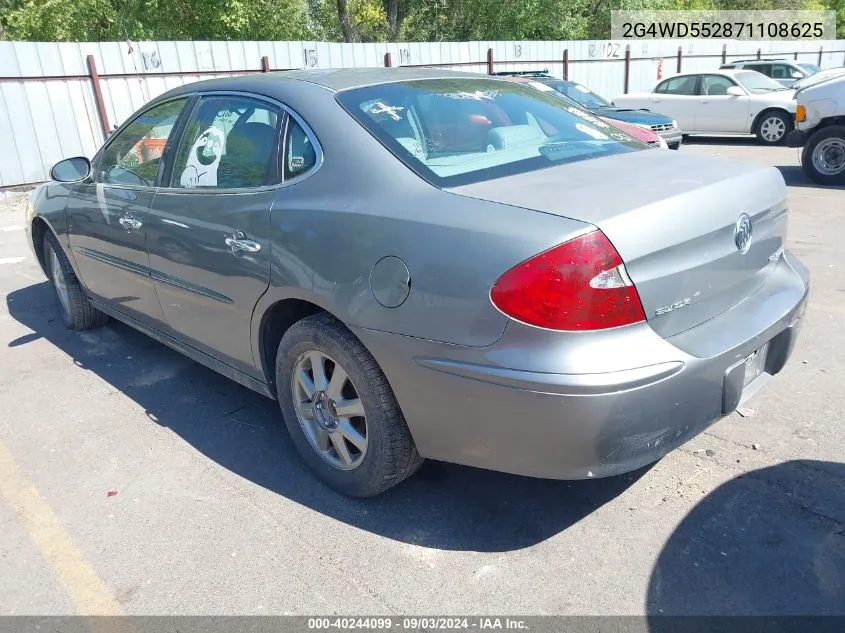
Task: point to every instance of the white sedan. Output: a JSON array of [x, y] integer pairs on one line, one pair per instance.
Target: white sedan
[[721, 102]]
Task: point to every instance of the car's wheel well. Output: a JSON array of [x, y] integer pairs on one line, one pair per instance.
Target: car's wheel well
[[40, 229], [760, 116], [831, 120], [275, 322]]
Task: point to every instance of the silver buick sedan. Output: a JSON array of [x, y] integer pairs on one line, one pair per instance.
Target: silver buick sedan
[[427, 264]]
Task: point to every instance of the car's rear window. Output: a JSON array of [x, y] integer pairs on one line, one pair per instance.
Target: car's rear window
[[457, 131]]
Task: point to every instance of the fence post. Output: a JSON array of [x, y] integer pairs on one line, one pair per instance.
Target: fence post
[[821, 50], [98, 96], [724, 53], [265, 64], [566, 63], [388, 60], [627, 67], [490, 63], [759, 53], [680, 57]]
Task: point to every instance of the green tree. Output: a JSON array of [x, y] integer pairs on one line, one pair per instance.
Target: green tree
[[91, 20]]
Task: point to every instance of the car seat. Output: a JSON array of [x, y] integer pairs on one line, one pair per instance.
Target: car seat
[[247, 158]]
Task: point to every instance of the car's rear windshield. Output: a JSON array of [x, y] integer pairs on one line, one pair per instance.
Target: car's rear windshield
[[458, 131], [579, 93]]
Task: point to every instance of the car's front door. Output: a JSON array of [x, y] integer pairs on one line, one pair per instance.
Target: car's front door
[[107, 217], [719, 111], [676, 97], [209, 225]]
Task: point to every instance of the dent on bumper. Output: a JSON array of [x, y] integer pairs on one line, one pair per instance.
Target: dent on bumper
[[462, 407]]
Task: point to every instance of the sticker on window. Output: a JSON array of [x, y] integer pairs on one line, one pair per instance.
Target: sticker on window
[[478, 95], [586, 129], [381, 108], [203, 160]]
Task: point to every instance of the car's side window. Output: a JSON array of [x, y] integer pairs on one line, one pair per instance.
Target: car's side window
[[782, 71], [229, 143], [300, 154], [662, 86], [681, 85], [766, 69], [133, 156], [715, 85]]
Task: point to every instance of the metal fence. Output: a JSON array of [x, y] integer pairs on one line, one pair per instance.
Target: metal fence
[[61, 99]]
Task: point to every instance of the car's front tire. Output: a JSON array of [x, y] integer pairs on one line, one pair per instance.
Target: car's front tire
[[823, 156], [77, 312], [773, 127], [340, 410]]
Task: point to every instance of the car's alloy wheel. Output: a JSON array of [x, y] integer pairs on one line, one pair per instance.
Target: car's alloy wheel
[[77, 312], [773, 128], [329, 410], [340, 410], [60, 284]]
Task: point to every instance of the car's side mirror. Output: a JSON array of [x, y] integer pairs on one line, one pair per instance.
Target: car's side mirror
[[735, 91], [71, 169]]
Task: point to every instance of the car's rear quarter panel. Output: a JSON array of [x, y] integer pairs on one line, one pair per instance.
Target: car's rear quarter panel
[[363, 204]]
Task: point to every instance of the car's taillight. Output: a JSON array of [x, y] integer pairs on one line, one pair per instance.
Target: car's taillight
[[578, 285]]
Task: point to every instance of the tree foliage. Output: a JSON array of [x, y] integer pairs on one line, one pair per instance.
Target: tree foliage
[[342, 20]]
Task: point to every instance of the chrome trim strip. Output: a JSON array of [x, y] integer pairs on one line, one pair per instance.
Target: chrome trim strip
[[190, 287], [114, 261]]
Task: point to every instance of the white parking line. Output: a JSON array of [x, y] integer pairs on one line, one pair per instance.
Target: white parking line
[[11, 260], [9, 229]]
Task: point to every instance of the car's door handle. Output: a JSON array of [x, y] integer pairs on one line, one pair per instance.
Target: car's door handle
[[130, 224], [704, 102], [238, 242]]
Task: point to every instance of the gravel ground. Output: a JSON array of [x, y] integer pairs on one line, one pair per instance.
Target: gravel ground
[[211, 511]]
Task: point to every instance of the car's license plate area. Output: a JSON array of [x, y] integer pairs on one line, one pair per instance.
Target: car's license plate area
[[755, 364]]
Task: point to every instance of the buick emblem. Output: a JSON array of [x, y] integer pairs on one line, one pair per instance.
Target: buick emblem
[[742, 233]]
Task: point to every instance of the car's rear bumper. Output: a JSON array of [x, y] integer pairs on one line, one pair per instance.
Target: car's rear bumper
[[473, 407]]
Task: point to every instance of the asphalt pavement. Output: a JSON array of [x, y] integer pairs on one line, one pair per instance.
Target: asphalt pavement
[[135, 481]]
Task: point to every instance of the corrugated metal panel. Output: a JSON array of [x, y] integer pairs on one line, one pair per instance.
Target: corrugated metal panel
[[42, 122]]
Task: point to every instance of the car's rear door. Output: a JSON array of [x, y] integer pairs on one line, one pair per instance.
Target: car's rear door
[[209, 228], [719, 111], [677, 97], [108, 216]]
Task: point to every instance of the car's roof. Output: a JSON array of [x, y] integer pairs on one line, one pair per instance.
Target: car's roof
[[335, 79], [728, 72], [760, 61]]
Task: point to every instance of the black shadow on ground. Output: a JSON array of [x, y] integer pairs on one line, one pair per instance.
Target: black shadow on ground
[[739, 141], [767, 543], [444, 506], [794, 176]]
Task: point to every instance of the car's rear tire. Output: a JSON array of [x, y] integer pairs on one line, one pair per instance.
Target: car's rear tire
[[823, 156], [77, 312], [773, 126], [367, 450]]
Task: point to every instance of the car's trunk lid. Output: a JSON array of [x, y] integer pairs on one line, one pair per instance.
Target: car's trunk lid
[[672, 217]]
